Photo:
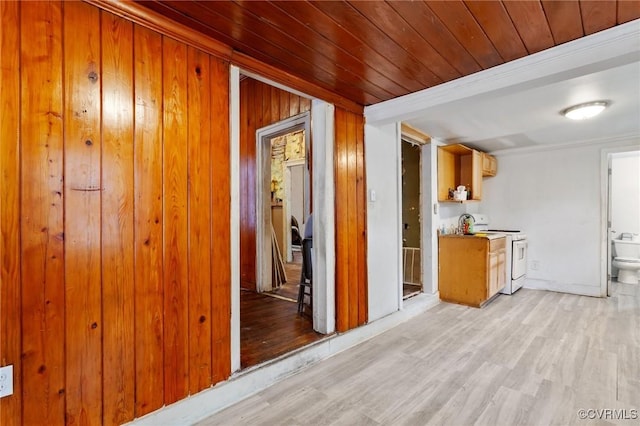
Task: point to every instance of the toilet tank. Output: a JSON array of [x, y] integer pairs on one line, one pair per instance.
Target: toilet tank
[[627, 248]]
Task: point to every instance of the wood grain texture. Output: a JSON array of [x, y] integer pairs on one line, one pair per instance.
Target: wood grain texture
[[597, 15], [260, 106], [351, 277], [115, 219], [531, 23], [628, 11], [361, 225], [221, 222], [199, 219], [464, 27], [42, 225], [82, 202], [353, 53], [385, 18], [496, 23], [10, 301], [564, 19], [148, 213], [118, 220], [270, 327], [174, 182]]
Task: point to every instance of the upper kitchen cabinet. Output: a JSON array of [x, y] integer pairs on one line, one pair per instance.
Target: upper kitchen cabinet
[[459, 165], [489, 165]]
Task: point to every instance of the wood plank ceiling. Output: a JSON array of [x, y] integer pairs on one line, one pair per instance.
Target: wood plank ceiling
[[371, 51]]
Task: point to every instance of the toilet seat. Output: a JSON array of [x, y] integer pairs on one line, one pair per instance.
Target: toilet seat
[[627, 259]]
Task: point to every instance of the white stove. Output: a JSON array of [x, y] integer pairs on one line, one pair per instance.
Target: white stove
[[516, 253]]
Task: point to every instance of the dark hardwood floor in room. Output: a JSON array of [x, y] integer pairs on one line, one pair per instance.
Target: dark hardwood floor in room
[[270, 327]]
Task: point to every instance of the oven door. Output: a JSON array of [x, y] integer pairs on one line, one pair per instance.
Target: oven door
[[519, 259]]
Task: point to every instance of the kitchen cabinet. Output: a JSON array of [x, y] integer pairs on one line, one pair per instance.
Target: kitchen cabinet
[[459, 165], [489, 165], [471, 268]]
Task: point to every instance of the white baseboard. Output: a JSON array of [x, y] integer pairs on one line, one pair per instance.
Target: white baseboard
[[571, 288]]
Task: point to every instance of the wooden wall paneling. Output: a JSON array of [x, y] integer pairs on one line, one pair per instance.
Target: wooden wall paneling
[[564, 20], [174, 181], [42, 227], [466, 29], [352, 218], [10, 301], [597, 15], [117, 220], [221, 221], [294, 105], [342, 236], [245, 125], [528, 17], [199, 209], [495, 22], [284, 105], [361, 211], [149, 300], [82, 192], [627, 11]]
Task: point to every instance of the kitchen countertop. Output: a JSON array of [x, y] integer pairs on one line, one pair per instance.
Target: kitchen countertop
[[491, 236]]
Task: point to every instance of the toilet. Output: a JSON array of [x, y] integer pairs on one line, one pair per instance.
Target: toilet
[[627, 258]]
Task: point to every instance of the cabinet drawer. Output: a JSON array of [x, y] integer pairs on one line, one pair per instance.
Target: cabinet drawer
[[497, 244]]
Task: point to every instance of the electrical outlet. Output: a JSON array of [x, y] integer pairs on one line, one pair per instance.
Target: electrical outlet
[[6, 381], [535, 265]]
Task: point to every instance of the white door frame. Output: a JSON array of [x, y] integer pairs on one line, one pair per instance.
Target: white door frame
[[286, 204], [264, 135]]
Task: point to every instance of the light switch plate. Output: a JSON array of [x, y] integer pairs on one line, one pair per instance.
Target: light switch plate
[[6, 381]]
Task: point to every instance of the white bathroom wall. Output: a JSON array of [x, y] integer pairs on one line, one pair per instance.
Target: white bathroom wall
[[554, 196], [382, 156], [625, 192]]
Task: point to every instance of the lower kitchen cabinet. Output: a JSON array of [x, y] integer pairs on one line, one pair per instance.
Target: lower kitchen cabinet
[[471, 268]]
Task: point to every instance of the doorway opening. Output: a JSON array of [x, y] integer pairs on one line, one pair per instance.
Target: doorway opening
[[411, 219], [282, 203], [266, 323], [623, 220]]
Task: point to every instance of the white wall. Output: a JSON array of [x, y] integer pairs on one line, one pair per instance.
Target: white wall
[[382, 156], [625, 192], [554, 197]]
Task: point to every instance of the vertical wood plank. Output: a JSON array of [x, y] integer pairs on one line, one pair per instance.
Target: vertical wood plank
[[42, 227], [149, 305], [199, 209], [284, 104], [246, 121], [221, 221], [294, 105], [342, 237], [117, 219], [82, 189], [351, 218], [361, 211], [174, 181], [10, 341]]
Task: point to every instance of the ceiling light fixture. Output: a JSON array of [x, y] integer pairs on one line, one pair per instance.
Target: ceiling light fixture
[[586, 110]]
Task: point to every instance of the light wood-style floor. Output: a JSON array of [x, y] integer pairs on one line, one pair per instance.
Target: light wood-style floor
[[534, 358]]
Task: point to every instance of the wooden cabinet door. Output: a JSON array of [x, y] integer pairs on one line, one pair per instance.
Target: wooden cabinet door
[[489, 165]]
